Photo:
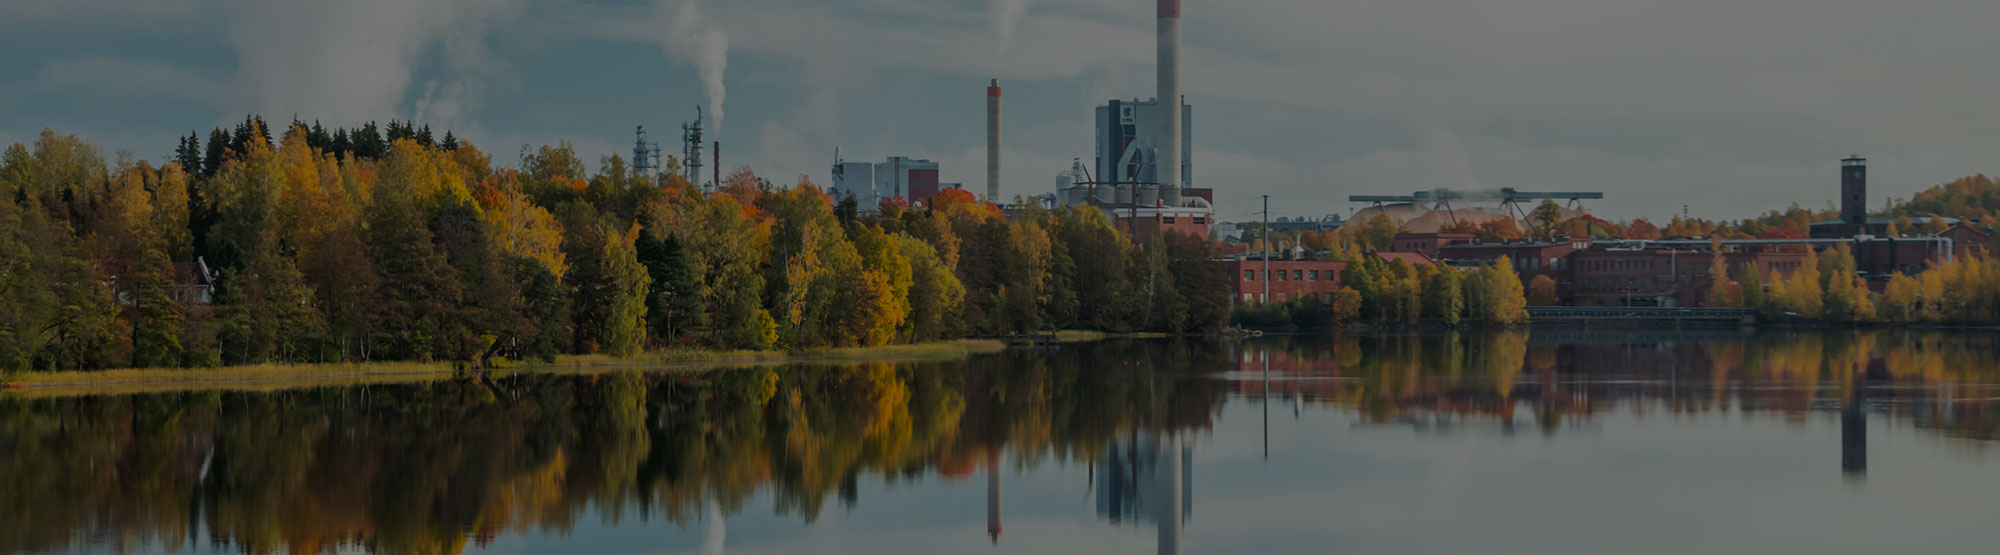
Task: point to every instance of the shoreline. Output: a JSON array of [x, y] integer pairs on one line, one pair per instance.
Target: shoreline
[[276, 377]]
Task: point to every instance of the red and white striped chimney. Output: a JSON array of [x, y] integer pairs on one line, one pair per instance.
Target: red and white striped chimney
[[1168, 169]]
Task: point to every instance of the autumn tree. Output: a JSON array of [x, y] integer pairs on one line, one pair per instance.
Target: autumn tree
[[1545, 217], [1541, 291]]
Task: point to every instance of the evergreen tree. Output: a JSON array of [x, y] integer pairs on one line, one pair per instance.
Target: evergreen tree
[[418, 288], [218, 149], [189, 154], [673, 300], [547, 310]]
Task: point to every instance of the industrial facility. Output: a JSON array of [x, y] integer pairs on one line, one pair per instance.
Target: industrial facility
[[1436, 210], [910, 179], [1144, 176]]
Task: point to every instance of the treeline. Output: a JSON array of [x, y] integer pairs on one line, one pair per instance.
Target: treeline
[[1402, 294], [328, 249], [1827, 289]]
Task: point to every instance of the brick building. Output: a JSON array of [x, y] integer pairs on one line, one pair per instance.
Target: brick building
[[1665, 276], [1428, 244], [1969, 240], [1530, 258], [1148, 224], [1289, 277]]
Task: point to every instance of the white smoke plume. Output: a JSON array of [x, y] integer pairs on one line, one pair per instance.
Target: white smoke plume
[[692, 38], [1005, 14], [354, 61]]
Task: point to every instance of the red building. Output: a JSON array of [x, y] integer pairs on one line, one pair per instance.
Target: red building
[[1530, 258], [1969, 240], [1428, 244], [1149, 223], [1411, 258], [1665, 276], [1288, 278]]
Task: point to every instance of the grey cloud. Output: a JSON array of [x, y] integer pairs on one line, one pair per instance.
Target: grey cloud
[[1733, 107], [121, 78]]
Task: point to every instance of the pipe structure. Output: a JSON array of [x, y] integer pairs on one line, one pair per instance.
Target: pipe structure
[[993, 141], [1168, 165]]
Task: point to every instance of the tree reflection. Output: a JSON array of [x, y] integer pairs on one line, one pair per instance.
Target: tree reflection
[[1936, 380], [434, 468]]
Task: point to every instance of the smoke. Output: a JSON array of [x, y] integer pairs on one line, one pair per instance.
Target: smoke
[[691, 38], [355, 61], [711, 539], [1005, 14]]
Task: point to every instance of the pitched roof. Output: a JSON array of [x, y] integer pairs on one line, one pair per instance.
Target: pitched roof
[[1408, 257]]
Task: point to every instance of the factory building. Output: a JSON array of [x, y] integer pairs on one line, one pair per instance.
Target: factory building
[[1143, 179], [1126, 149], [912, 179]]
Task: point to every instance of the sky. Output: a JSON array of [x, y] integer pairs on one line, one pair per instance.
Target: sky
[[1726, 107]]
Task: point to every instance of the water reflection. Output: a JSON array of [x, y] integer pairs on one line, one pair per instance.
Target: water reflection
[[455, 466]]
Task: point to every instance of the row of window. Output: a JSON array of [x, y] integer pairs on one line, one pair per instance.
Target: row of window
[[1198, 220], [1296, 275], [1536, 264], [1618, 265], [1254, 298]]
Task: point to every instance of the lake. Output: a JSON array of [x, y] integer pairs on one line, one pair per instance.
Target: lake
[[1507, 442]]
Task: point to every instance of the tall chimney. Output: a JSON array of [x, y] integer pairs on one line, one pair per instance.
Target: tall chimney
[[1168, 171], [717, 151], [993, 142]]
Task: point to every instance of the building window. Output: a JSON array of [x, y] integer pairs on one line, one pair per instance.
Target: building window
[[1281, 275], [1249, 275], [1326, 297], [1312, 275], [1298, 275], [1198, 220], [1170, 220]]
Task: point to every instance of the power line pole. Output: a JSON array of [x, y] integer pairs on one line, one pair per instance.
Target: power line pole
[[1267, 251]]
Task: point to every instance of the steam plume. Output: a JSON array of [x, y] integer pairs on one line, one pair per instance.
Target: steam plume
[[690, 37], [1005, 13]]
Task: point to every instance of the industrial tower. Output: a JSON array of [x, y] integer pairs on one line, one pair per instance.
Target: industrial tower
[[691, 149]]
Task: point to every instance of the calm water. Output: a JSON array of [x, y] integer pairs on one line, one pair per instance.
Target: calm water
[[1478, 443]]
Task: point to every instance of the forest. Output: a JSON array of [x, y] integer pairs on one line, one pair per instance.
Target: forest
[[375, 243]]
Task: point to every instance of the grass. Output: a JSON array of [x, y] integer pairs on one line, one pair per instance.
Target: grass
[[274, 377]]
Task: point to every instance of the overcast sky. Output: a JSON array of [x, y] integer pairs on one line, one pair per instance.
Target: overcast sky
[[1729, 106]]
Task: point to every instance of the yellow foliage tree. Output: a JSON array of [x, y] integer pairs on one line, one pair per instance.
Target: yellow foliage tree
[[1542, 291]]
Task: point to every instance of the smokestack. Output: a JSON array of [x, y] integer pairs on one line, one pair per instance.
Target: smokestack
[[1168, 171], [993, 142], [717, 184]]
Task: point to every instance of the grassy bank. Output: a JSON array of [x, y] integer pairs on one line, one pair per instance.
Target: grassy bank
[[273, 377]]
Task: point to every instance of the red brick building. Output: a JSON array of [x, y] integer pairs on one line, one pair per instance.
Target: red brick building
[[1288, 278], [1154, 222], [1530, 258], [1428, 244], [1665, 276], [1969, 240]]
